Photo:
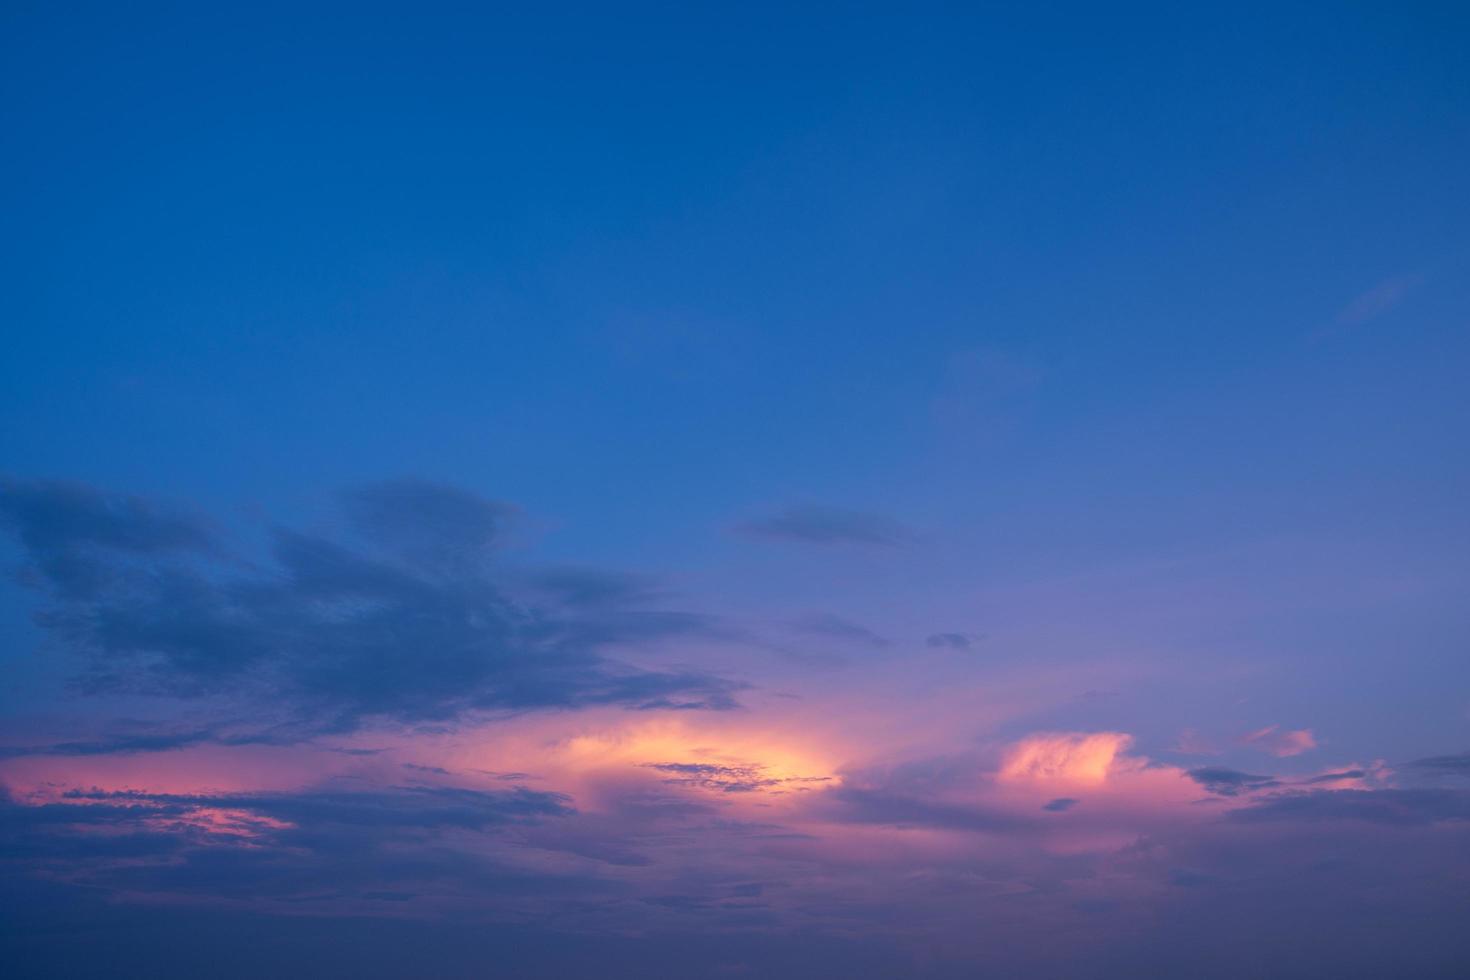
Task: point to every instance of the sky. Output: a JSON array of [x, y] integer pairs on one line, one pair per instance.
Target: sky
[[795, 490]]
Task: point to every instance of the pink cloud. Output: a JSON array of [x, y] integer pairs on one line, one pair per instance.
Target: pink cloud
[[1065, 756], [1281, 743]]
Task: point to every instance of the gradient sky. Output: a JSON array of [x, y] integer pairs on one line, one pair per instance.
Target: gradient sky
[[686, 491]]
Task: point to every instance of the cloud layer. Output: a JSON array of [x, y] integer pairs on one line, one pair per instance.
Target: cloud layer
[[390, 723], [403, 621]]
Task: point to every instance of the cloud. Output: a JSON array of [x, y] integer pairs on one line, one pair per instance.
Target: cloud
[[829, 526], [665, 826], [1335, 777], [318, 846], [1379, 300], [837, 628], [1395, 807], [856, 804], [1281, 744], [136, 742], [1454, 765], [409, 624], [400, 807], [1229, 782], [75, 537], [426, 522], [895, 852], [940, 793], [591, 586], [1067, 756], [726, 779], [949, 641]]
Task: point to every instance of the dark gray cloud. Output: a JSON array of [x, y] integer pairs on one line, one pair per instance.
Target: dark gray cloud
[[409, 806], [65, 834], [1334, 777], [949, 641], [1229, 782], [728, 779], [1453, 765], [1060, 804], [813, 524], [133, 743], [1393, 807], [157, 822], [409, 624], [75, 537], [325, 845], [1298, 885]]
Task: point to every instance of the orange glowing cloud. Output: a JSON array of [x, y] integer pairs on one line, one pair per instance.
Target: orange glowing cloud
[[1085, 758], [725, 755]]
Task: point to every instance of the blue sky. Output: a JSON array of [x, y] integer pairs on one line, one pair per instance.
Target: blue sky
[[1128, 346]]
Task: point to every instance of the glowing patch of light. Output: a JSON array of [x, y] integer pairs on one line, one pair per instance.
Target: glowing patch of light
[[1075, 757]]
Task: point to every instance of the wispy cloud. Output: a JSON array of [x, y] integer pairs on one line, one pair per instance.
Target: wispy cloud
[[1280, 742], [1379, 300], [1230, 782], [836, 628], [950, 641]]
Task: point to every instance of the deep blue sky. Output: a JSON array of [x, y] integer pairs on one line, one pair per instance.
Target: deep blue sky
[[1065, 287], [700, 259], [1129, 343]]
